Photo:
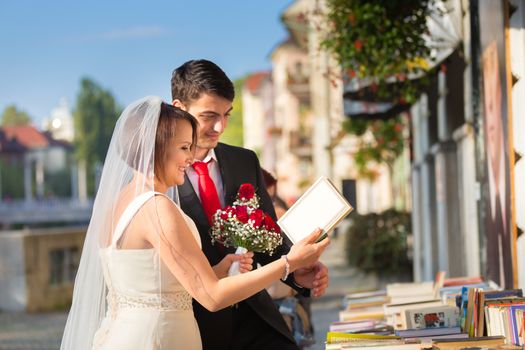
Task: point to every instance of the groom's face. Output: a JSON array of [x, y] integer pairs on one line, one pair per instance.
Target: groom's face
[[212, 113]]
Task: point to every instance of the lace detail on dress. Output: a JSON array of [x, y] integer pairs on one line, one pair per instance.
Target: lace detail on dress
[[172, 301]]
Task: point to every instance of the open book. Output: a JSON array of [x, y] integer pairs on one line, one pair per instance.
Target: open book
[[320, 206]]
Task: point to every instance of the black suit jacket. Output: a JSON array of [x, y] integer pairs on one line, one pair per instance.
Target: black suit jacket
[[238, 166]]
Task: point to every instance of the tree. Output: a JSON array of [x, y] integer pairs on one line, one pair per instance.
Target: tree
[[14, 116], [233, 134], [95, 115]]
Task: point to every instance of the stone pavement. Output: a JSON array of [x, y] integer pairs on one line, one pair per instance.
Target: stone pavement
[[343, 280], [20, 331]]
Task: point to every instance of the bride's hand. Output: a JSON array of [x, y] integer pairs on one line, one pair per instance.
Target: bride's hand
[[306, 252], [245, 264]]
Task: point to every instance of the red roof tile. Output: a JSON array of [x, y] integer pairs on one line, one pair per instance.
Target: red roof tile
[[253, 81], [27, 136]]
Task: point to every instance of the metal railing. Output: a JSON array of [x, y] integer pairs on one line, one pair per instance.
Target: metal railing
[[44, 211]]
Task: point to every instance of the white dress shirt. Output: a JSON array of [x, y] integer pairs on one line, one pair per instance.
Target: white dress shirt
[[215, 174]]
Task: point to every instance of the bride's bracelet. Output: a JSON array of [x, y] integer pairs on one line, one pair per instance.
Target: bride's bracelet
[[286, 267]]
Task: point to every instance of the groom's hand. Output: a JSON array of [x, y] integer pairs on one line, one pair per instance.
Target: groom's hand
[[314, 277]]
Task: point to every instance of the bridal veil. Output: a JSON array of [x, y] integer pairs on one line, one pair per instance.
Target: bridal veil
[[129, 166]]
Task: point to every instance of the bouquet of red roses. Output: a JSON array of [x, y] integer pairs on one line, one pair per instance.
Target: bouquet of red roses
[[244, 226]]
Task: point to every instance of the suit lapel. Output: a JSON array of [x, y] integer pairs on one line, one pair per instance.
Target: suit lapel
[[225, 165], [190, 202]]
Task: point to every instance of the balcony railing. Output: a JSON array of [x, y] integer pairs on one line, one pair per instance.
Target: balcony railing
[[44, 211]]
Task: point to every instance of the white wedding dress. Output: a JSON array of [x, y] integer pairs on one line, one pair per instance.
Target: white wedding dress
[[147, 307]]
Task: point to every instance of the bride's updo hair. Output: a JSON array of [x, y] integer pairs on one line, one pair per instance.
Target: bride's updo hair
[[132, 143], [169, 115]]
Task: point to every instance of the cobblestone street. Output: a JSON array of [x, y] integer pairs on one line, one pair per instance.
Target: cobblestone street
[[21, 331], [342, 280]]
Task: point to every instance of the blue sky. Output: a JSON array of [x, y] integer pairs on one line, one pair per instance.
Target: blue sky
[[129, 47]]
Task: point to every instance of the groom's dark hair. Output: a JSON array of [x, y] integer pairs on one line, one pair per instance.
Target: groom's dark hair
[[196, 77]]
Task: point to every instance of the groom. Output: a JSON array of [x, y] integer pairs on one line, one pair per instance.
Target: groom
[[203, 89]]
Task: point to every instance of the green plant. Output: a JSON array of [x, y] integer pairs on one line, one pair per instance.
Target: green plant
[[381, 46], [382, 41], [381, 141], [11, 178], [378, 243], [233, 134]]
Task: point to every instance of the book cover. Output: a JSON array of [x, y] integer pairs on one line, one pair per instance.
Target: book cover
[[430, 339], [337, 337], [368, 346], [427, 332], [432, 317], [471, 302], [491, 295], [395, 313], [367, 294], [320, 206], [511, 319], [410, 289], [445, 344], [375, 313], [349, 326], [461, 281]]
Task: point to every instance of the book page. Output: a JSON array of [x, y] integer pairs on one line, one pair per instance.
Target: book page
[[321, 206]]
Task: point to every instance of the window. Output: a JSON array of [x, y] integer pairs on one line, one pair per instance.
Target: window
[[63, 265]]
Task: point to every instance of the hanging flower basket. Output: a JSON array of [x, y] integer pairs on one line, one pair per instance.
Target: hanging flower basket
[[381, 44]]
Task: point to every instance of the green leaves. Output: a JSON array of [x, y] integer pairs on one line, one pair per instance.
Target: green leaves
[[94, 118], [233, 134], [381, 141], [381, 40], [13, 116], [384, 43], [378, 243]]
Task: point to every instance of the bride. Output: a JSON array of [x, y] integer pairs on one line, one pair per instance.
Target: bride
[[141, 263]]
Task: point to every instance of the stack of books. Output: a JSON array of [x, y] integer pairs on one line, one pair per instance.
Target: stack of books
[[445, 314], [472, 343], [496, 313], [363, 306], [426, 335], [336, 341]]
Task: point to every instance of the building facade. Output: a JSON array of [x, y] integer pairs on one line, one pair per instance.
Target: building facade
[[38, 268]]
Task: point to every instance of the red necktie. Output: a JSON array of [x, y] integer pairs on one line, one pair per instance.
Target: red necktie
[[207, 191]]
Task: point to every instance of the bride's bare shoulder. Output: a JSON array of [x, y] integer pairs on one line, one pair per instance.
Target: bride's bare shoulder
[[164, 208]]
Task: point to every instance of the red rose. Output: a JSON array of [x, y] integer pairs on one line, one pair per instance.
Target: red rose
[[246, 191], [224, 215], [270, 225], [358, 45], [258, 217], [241, 212]]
